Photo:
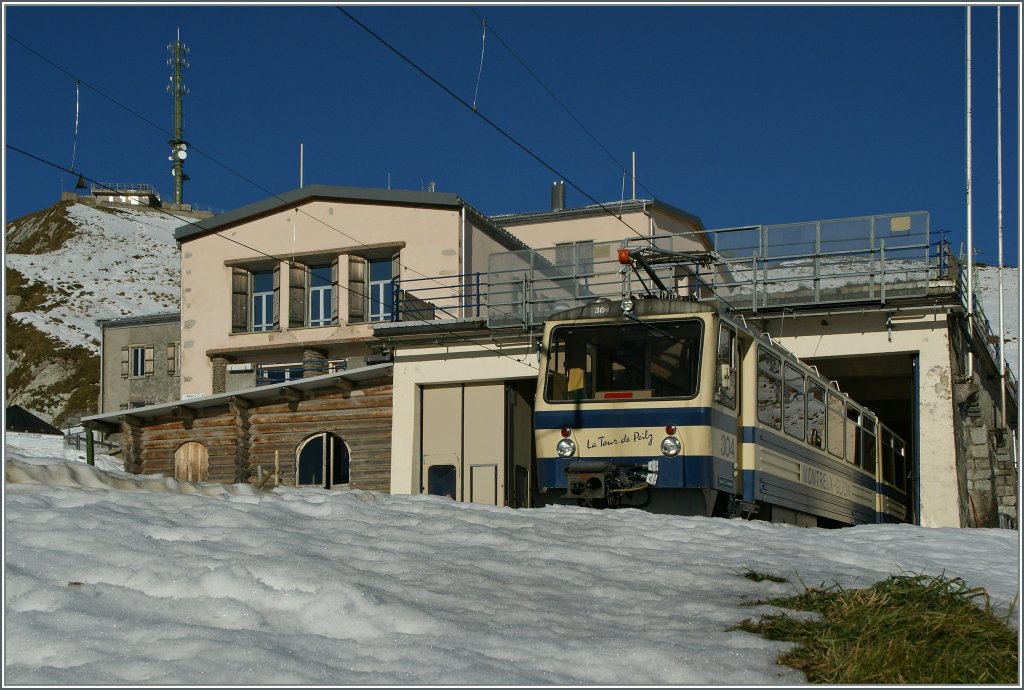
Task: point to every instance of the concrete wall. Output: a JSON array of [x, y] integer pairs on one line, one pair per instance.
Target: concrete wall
[[161, 387], [923, 334], [421, 366]]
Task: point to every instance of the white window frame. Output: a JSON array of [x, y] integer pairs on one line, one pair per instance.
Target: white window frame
[[320, 295], [260, 302]]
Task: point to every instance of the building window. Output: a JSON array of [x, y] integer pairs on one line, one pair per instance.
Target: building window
[[576, 258], [136, 361], [263, 301], [320, 295], [381, 297], [254, 299], [322, 461]]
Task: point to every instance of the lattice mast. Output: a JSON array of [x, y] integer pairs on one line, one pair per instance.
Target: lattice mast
[[178, 90]]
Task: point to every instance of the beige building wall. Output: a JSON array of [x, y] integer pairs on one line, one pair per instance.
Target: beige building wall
[[924, 334], [427, 239], [546, 230], [424, 366]]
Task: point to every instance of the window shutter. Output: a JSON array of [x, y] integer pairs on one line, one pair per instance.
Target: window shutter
[[297, 296], [124, 362], [239, 300], [172, 358], [334, 291], [277, 296], [357, 289], [148, 364]]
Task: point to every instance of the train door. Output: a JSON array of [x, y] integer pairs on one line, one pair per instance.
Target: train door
[[463, 445]]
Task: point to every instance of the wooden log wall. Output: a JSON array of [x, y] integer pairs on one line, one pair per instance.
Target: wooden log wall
[[248, 433], [362, 418]]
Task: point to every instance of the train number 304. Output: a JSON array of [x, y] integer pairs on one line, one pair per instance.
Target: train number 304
[[727, 446]]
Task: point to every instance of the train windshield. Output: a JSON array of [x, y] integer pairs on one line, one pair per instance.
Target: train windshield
[[627, 361]]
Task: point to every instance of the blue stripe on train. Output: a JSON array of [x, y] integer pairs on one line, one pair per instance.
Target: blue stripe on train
[[576, 418], [775, 490], [691, 472], [794, 449]]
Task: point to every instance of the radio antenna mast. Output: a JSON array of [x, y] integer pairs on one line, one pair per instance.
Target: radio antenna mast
[[178, 90]]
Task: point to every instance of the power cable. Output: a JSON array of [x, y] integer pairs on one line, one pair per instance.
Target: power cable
[[209, 157], [563, 105], [490, 122], [369, 298]]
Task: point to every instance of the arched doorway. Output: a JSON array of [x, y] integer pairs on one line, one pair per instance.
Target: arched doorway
[[192, 462], [322, 460]]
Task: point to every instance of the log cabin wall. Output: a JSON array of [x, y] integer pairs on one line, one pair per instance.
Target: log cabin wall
[[245, 434]]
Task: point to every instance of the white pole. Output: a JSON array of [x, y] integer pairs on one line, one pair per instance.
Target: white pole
[[970, 234], [999, 206], [634, 175]]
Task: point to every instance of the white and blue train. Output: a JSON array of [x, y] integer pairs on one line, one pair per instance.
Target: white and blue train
[[675, 406]]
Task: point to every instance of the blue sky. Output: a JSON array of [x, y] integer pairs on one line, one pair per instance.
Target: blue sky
[[742, 115]]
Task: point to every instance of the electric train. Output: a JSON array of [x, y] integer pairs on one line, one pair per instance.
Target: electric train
[[676, 406]]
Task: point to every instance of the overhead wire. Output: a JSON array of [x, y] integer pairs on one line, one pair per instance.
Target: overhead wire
[[209, 157], [564, 107], [298, 210], [348, 289], [490, 122]]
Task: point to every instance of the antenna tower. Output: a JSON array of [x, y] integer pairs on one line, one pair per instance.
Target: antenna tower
[[178, 90]]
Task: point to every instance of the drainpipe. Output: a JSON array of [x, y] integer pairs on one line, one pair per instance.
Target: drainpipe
[[463, 269]]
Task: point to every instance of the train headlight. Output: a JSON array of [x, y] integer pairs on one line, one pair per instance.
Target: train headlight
[[566, 448], [626, 305], [671, 446]]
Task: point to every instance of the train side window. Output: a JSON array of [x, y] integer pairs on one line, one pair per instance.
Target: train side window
[[794, 402], [900, 455], [725, 391], [870, 444], [815, 414], [888, 458], [853, 438], [834, 425], [769, 389]]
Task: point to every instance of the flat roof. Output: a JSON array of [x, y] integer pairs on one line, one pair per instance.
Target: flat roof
[[274, 390], [629, 206], [365, 195]]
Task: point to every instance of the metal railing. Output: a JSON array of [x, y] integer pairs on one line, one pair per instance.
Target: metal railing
[[445, 297], [871, 258], [981, 329], [123, 187]]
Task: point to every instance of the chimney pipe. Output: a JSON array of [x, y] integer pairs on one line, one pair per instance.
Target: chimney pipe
[[558, 196]]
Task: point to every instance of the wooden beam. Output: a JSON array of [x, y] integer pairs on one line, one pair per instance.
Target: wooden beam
[[103, 427], [239, 401], [130, 420], [344, 385], [182, 412], [292, 395]]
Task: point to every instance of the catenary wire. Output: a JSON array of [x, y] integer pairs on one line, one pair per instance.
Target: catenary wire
[[489, 122], [560, 103], [217, 162], [274, 258]]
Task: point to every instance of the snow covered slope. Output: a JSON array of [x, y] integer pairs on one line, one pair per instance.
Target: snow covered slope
[[65, 267], [116, 263]]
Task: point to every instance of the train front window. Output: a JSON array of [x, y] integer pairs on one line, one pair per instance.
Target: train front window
[[624, 361]]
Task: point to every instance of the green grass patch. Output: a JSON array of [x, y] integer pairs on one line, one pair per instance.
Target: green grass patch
[[907, 629]]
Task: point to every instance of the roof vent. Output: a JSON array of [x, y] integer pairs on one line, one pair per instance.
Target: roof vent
[[558, 196]]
